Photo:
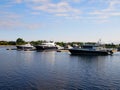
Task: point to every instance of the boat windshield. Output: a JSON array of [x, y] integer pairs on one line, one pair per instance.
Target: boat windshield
[[88, 47]]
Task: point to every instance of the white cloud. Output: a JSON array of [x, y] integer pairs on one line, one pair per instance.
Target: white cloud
[[58, 9], [67, 8], [111, 10], [32, 26], [62, 15], [115, 14], [72, 1], [102, 21], [11, 21], [76, 1], [18, 1], [114, 2], [11, 25], [9, 15], [35, 13]]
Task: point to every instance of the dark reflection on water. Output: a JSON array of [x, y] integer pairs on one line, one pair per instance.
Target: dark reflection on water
[[31, 70]]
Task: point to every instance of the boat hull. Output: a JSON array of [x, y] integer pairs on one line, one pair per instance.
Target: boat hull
[[24, 48], [88, 52], [43, 48]]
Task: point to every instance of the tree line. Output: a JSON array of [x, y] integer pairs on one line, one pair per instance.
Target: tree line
[[20, 41]]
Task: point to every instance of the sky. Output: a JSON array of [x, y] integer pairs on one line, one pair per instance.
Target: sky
[[60, 20]]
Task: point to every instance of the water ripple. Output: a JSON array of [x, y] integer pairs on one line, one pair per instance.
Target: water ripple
[[20, 70]]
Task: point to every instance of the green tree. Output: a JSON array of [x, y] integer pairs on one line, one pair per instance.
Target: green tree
[[34, 43], [110, 45], [20, 41], [3, 43], [11, 43], [61, 44]]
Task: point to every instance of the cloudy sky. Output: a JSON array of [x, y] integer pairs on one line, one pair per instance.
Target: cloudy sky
[[60, 20]]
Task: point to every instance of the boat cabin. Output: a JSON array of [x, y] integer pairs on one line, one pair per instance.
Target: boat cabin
[[92, 47]]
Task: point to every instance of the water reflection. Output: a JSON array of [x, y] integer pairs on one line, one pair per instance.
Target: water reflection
[[31, 70], [49, 56], [98, 69]]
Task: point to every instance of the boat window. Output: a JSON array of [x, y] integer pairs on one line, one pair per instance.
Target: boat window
[[87, 47], [43, 44]]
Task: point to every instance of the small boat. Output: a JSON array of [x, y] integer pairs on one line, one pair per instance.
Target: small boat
[[48, 46], [118, 49], [91, 50], [59, 47], [25, 47]]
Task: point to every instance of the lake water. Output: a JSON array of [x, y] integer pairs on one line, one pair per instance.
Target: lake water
[[31, 70]]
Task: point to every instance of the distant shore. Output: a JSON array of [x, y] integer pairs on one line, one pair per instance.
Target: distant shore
[[7, 45]]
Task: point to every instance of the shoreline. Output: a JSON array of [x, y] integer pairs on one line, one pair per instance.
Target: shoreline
[[7, 45]]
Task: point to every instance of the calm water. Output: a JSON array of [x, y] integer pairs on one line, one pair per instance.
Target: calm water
[[31, 70]]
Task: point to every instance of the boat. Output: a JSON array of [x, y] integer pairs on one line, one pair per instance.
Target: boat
[[89, 49], [48, 46], [118, 49], [25, 47]]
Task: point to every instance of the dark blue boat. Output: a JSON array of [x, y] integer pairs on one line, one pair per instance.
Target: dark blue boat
[[91, 50]]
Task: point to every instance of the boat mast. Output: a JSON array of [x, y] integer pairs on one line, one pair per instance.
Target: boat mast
[[99, 42]]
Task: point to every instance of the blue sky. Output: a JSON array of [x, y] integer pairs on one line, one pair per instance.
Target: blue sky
[[60, 20]]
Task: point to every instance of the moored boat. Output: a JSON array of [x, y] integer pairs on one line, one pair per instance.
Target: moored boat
[[25, 47], [91, 50], [48, 46]]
